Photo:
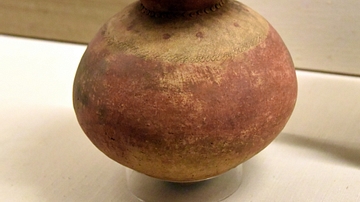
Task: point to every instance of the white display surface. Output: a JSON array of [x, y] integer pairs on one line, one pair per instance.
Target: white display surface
[[45, 156]]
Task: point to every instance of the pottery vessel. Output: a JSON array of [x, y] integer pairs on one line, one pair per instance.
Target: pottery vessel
[[184, 91]]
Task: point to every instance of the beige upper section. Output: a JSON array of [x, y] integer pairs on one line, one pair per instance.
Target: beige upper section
[[230, 30]]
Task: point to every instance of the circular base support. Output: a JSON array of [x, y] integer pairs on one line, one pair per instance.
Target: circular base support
[[149, 189]]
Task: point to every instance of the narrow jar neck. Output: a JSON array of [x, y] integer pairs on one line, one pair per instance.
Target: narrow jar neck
[[180, 5]]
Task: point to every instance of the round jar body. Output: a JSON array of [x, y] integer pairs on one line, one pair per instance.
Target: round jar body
[[186, 96]]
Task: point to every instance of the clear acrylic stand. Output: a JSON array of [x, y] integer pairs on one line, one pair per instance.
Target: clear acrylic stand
[[148, 189]]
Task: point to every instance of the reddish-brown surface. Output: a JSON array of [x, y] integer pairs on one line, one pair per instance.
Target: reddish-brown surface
[[184, 121]]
